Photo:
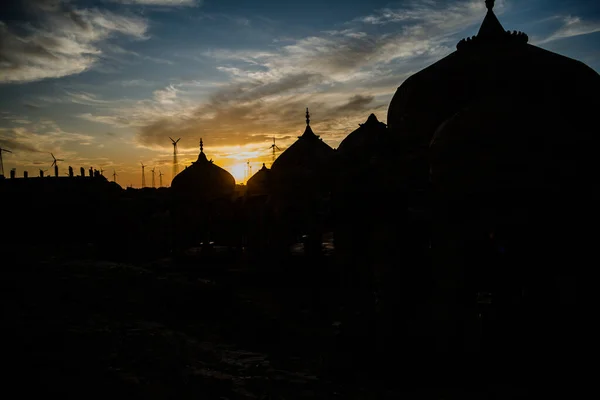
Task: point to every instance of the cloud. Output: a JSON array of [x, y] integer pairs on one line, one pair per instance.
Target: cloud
[[60, 40], [13, 145], [162, 3], [342, 75], [443, 14], [572, 26], [356, 103], [40, 137]]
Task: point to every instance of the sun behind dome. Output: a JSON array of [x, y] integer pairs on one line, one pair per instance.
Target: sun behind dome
[[203, 180]]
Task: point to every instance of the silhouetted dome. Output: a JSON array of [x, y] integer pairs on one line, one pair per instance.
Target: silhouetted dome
[[495, 63], [308, 153], [366, 138], [260, 182], [203, 180]]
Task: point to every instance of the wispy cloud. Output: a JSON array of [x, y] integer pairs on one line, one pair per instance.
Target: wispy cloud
[[162, 3], [61, 40], [571, 26], [41, 137]]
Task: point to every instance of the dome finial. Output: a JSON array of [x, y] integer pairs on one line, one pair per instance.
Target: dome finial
[[201, 146], [489, 4], [307, 117]]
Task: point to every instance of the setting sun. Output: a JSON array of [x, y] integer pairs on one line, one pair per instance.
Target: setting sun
[[239, 172]]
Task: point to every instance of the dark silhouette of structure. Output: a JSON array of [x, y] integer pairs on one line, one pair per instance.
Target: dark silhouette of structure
[[2, 162], [301, 181], [501, 136], [143, 175], [202, 194], [175, 163], [274, 148], [456, 225], [55, 164]]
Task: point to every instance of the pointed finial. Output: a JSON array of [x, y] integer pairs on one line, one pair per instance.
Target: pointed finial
[[489, 4], [201, 146], [307, 117]]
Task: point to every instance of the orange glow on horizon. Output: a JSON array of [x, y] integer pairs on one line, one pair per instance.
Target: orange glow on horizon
[[239, 172]]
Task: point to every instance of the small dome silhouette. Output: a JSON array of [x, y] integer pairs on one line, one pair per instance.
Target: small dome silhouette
[[366, 138], [260, 182], [309, 152], [203, 180]]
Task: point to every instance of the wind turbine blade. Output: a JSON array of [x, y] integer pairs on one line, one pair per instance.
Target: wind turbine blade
[[171, 139], [277, 148], [8, 151], [177, 140]]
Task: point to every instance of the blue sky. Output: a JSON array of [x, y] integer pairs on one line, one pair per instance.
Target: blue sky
[[104, 83]]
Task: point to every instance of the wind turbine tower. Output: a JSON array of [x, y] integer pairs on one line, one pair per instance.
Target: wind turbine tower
[[153, 184], [115, 176], [143, 175], [55, 164], [1, 163], [160, 175], [274, 147], [175, 164]]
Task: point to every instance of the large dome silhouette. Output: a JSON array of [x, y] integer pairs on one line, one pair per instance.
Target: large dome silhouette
[[493, 63], [539, 98], [203, 180]]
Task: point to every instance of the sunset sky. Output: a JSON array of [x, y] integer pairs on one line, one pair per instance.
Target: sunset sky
[[104, 83]]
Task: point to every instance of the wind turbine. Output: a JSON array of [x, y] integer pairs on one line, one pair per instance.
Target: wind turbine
[[55, 164], [101, 171], [153, 184], [115, 176], [175, 164], [249, 170], [274, 147], [1, 163], [160, 175], [42, 172], [143, 175]]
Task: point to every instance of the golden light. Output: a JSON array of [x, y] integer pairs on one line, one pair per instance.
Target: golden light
[[239, 172]]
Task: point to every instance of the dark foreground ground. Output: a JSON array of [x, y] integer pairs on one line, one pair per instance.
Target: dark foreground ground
[[94, 329]]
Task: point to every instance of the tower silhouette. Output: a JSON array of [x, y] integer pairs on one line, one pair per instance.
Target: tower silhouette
[[175, 164], [1, 163], [143, 175], [153, 181], [55, 164], [160, 175], [274, 148]]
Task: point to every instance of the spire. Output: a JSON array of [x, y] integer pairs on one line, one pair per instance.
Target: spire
[[308, 131], [492, 32], [202, 156], [490, 27]]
